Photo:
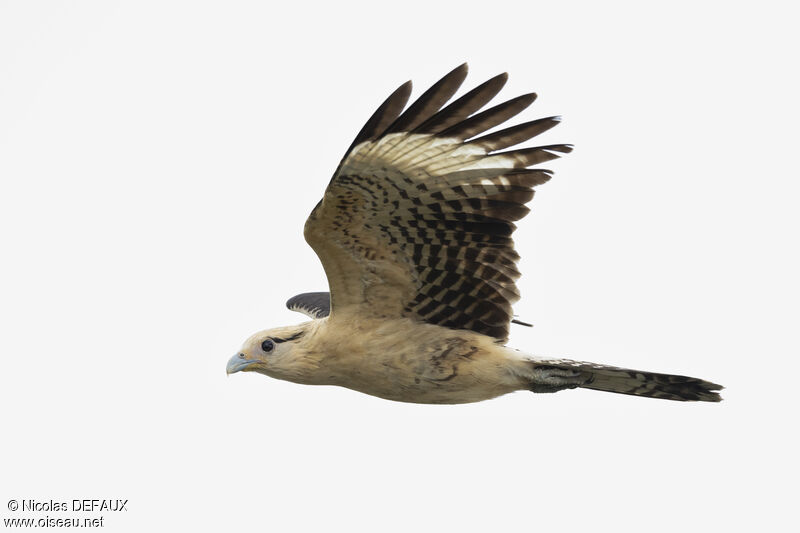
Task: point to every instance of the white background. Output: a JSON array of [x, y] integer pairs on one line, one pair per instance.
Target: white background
[[158, 160]]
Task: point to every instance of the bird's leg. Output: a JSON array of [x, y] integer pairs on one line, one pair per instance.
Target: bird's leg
[[553, 379]]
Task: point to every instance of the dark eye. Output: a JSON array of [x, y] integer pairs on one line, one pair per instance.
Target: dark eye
[[268, 345]]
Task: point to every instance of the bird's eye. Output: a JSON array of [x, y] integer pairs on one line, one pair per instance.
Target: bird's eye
[[268, 345]]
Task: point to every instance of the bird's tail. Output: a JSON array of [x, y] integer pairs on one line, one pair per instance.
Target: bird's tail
[[622, 381]]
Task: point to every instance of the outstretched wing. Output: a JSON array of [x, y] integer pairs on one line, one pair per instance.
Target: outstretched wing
[[417, 220], [312, 304]]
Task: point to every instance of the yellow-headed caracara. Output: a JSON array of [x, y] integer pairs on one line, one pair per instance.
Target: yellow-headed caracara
[[414, 234]]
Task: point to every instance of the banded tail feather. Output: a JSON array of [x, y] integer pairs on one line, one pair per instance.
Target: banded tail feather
[[558, 374]]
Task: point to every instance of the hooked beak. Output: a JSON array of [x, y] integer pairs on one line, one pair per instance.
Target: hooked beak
[[238, 363]]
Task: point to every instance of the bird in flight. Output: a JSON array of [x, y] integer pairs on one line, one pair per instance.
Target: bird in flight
[[414, 233]]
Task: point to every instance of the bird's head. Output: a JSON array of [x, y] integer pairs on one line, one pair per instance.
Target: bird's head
[[274, 352]]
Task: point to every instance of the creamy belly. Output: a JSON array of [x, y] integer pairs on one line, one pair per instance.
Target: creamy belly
[[411, 362]]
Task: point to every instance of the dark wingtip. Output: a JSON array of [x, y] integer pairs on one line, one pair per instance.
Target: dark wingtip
[[405, 89], [526, 100], [561, 148]]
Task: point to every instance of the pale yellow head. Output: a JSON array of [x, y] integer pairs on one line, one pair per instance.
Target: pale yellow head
[[275, 352]]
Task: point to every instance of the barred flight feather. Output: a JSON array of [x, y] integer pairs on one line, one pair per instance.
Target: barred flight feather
[[417, 219]]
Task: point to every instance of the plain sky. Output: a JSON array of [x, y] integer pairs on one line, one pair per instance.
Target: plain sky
[[158, 160]]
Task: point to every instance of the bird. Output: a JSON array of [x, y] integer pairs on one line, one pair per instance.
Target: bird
[[414, 235]]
